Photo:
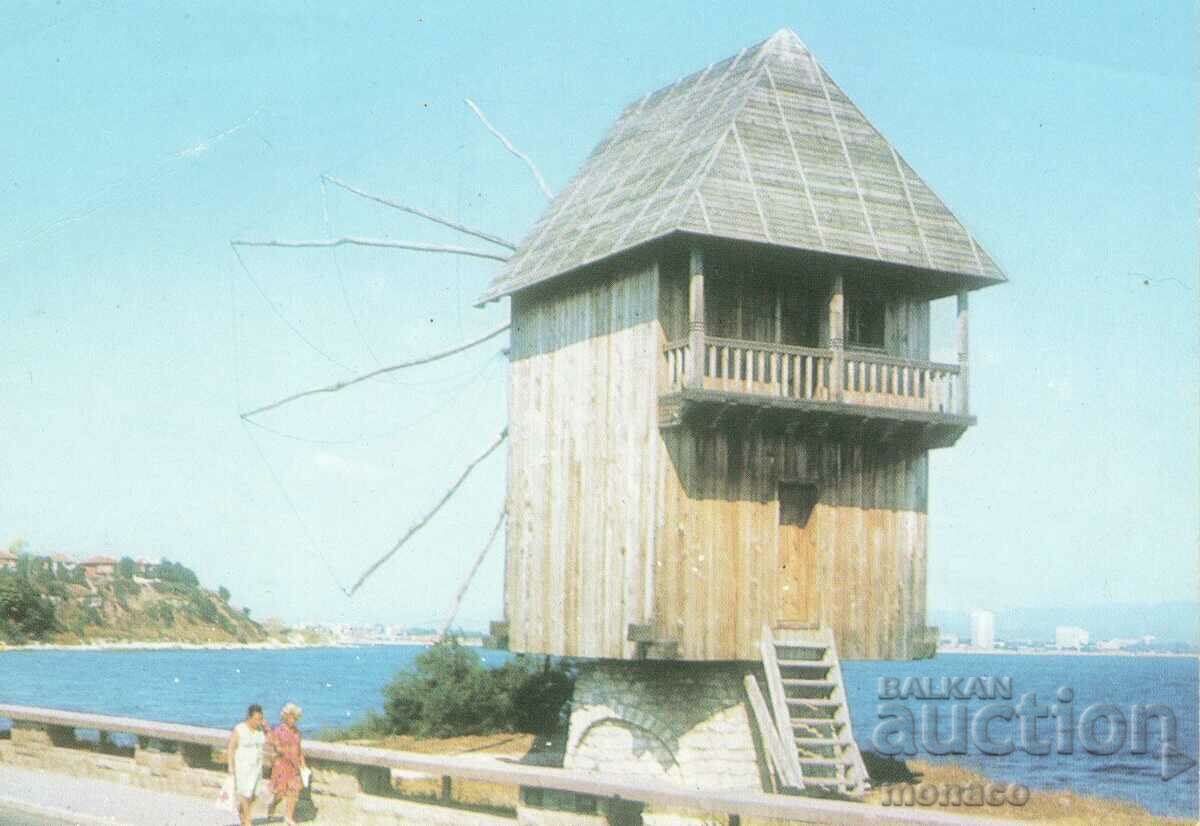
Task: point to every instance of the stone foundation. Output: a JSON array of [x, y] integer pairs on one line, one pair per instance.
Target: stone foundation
[[685, 722]]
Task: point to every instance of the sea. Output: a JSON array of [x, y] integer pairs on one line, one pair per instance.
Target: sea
[[336, 686]]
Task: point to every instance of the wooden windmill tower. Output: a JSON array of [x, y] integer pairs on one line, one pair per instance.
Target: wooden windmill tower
[[721, 409]]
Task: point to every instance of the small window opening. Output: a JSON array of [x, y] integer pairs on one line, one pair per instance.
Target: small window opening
[[796, 503], [864, 323]]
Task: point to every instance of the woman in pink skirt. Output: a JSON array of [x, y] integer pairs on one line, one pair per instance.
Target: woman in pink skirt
[[286, 780]]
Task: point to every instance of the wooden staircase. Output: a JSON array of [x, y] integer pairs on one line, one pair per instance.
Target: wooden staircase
[[807, 726]]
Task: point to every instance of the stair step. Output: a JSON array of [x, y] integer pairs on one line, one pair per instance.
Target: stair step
[[806, 664], [815, 721], [815, 702], [828, 781], [820, 741], [823, 761], [798, 682], [817, 650]]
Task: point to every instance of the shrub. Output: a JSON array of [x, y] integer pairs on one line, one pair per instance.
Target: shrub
[[42, 570], [201, 606], [540, 697], [175, 572], [124, 588], [125, 568], [23, 611], [449, 692]]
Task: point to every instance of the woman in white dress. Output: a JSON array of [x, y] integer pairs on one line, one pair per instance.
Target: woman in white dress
[[244, 754]]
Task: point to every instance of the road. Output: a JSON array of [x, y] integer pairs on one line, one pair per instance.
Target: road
[[29, 798], [16, 817]]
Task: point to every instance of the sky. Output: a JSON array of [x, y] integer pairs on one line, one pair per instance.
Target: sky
[[140, 140]]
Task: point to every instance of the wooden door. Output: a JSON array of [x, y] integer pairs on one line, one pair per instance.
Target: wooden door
[[799, 599]]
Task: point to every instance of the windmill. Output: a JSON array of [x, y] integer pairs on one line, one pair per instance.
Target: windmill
[[721, 405]]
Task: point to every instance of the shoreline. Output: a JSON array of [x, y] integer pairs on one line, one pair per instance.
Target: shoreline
[[1065, 653], [161, 645], [284, 645]]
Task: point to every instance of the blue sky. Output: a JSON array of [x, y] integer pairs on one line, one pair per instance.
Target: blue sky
[[141, 139]]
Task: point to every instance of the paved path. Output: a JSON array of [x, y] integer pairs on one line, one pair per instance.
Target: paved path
[[29, 798], [20, 817]]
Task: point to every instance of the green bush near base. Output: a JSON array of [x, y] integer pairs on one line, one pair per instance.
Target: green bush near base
[[449, 692]]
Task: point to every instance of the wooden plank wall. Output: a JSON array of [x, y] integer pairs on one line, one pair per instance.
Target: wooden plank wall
[[583, 438], [717, 558], [613, 522]]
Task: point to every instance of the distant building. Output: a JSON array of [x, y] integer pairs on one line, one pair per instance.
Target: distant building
[[983, 629], [145, 567], [99, 568], [1121, 643], [1070, 637], [64, 561], [948, 639], [8, 561]]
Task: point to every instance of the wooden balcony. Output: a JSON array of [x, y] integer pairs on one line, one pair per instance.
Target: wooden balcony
[[878, 395]]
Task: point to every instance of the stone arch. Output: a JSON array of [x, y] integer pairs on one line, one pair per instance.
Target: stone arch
[[661, 741]]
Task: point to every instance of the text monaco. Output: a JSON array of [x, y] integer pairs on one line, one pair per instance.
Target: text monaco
[[955, 794]]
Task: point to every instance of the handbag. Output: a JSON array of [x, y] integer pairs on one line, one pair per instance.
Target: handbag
[[306, 776], [306, 809], [225, 797]]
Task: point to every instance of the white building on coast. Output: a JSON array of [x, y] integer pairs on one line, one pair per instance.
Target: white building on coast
[[983, 630]]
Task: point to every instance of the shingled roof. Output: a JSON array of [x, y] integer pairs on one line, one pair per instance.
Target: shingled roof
[[762, 146]]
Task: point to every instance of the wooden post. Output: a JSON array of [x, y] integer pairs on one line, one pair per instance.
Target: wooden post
[[837, 332], [695, 368], [964, 407], [779, 360], [779, 313]]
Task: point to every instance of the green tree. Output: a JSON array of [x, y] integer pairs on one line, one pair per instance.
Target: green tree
[[125, 588], [202, 608], [126, 568], [164, 613], [449, 692], [23, 612], [223, 593], [42, 570], [175, 572]]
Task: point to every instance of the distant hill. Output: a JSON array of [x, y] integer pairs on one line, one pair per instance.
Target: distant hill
[[46, 599], [1168, 621]]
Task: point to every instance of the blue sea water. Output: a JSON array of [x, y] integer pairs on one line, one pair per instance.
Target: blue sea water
[[1115, 680], [336, 686]]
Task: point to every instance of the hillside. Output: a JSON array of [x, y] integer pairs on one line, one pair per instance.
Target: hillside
[[43, 600]]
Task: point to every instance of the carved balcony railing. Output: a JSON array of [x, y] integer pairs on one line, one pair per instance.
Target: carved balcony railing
[[805, 373]]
